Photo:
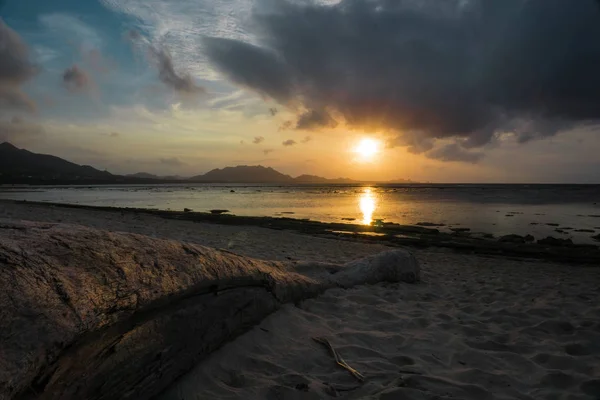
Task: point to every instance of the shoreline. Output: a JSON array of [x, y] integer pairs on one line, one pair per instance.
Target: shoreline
[[470, 329], [388, 234]]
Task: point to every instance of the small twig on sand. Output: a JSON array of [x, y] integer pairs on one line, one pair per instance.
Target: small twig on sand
[[339, 360]]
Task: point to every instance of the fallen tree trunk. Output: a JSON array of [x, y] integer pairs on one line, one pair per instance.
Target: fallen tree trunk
[[90, 314]]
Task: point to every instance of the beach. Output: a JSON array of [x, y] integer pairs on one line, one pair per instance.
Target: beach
[[475, 327]]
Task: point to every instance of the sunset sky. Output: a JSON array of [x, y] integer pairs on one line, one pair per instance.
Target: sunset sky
[[446, 90]]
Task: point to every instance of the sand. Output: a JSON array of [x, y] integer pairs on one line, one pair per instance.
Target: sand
[[474, 328]]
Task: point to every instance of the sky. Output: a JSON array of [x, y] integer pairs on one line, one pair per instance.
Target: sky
[[448, 90]]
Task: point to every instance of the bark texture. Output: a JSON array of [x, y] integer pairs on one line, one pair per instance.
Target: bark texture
[[90, 314]]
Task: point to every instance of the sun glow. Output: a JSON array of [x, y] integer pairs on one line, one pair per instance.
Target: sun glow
[[367, 148], [367, 206]]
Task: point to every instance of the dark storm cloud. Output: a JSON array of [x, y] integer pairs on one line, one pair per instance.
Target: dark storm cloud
[[313, 119], [426, 70], [454, 152], [76, 79], [289, 142], [258, 140], [182, 83], [16, 69]]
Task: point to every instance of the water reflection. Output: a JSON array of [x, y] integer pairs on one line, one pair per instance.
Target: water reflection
[[367, 203]]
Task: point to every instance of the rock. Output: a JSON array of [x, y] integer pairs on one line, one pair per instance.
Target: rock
[[488, 236], [552, 224], [232, 191], [217, 211], [90, 314], [509, 215], [459, 230], [596, 237], [512, 239], [429, 224], [560, 231], [529, 238], [348, 219], [377, 222], [585, 230], [187, 210], [552, 241]]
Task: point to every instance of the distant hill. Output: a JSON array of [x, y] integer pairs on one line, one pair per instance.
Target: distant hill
[[260, 174], [243, 174], [146, 175], [143, 175], [17, 165], [318, 179]]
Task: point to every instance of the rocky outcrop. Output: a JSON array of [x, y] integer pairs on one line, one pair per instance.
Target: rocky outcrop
[[89, 314]]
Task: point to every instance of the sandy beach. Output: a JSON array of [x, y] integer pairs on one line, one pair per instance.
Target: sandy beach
[[475, 327]]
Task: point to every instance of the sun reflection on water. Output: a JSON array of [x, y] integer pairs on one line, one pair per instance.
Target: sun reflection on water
[[367, 204]]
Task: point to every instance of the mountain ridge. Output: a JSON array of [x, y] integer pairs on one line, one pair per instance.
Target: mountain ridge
[[23, 166]]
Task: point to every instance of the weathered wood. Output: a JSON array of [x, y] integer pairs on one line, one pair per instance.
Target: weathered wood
[[92, 314]]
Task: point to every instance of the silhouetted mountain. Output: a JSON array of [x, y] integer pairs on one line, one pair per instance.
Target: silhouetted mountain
[[22, 166], [19, 165], [146, 175], [319, 179], [244, 174], [143, 175]]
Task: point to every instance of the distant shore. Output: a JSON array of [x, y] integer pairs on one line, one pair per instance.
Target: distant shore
[[390, 234]]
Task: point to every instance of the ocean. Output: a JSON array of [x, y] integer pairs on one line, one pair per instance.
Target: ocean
[[565, 211]]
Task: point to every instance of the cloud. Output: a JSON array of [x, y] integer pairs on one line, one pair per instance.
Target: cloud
[[17, 130], [306, 139], [273, 111], [182, 83], [315, 119], [266, 152], [45, 54], [178, 25], [76, 79], [172, 162], [112, 134], [289, 142], [16, 68], [258, 140], [427, 71], [96, 61], [454, 152]]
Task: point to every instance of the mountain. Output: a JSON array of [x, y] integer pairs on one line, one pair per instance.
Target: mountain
[[143, 175], [243, 174], [19, 165], [319, 179], [146, 175]]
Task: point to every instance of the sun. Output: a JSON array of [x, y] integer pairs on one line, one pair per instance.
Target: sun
[[367, 148]]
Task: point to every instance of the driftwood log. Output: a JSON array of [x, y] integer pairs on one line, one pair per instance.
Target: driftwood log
[[90, 314]]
